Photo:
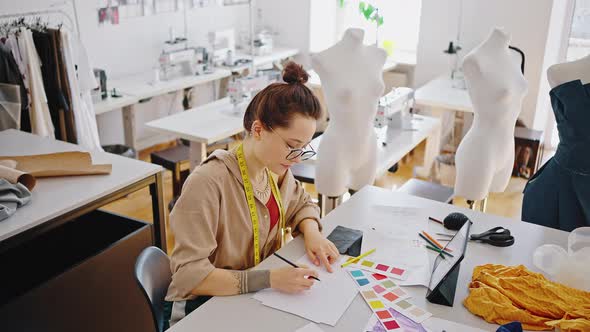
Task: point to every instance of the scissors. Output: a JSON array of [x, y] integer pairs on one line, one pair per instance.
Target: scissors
[[497, 236]]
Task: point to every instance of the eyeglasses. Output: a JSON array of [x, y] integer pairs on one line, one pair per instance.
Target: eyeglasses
[[296, 153]]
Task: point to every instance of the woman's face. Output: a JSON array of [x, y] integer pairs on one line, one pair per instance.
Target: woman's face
[[274, 145]]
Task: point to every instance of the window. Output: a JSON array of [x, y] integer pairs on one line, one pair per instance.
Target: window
[[578, 46], [579, 41], [401, 23]]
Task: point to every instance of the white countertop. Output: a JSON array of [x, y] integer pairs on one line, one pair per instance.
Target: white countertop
[[248, 314], [440, 93], [56, 196], [205, 124]]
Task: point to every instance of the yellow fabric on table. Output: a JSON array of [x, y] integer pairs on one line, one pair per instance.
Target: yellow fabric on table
[[502, 294]]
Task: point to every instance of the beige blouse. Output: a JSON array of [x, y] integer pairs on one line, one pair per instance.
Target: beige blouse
[[212, 226]]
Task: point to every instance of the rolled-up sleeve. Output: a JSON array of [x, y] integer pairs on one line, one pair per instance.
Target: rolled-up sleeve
[[194, 223], [303, 208]]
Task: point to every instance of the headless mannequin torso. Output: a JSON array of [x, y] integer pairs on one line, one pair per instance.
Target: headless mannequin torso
[[569, 71], [352, 83], [485, 157]]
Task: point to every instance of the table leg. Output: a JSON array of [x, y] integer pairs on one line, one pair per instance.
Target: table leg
[[197, 153], [159, 212], [129, 127], [431, 150], [328, 204]]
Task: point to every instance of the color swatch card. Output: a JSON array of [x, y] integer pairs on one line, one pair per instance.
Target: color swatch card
[[411, 311], [397, 272], [406, 324], [386, 288], [388, 293], [380, 309]]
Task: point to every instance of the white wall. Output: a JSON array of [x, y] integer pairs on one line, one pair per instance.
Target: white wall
[[134, 45], [290, 20], [526, 20]]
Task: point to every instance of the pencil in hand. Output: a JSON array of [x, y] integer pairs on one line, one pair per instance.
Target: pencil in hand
[[293, 265]]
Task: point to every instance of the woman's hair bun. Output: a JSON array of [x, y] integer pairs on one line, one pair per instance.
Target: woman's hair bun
[[294, 73]]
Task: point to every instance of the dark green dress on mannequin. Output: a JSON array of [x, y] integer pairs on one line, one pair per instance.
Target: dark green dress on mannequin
[[558, 195]]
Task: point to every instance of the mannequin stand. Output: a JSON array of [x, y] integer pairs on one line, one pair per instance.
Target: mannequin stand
[[483, 204], [328, 203]]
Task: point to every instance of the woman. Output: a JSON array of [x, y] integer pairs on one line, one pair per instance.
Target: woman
[[233, 194]]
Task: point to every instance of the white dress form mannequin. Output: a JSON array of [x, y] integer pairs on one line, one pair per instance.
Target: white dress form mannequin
[[485, 157], [351, 75], [569, 71]]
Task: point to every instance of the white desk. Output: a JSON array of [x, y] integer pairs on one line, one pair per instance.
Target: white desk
[[202, 125], [114, 103], [58, 200], [442, 100], [139, 87], [439, 93], [248, 314], [400, 142], [278, 53]]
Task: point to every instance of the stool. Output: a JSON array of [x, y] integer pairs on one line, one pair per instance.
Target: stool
[[429, 190], [176, 160]]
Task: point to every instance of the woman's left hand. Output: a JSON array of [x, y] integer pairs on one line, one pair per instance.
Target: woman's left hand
[[320, 250]]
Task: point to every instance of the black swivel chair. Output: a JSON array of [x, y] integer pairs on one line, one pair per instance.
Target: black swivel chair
[[153, 275]]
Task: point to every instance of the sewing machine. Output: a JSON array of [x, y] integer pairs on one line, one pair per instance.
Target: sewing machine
[[394, 109], [241, 90]]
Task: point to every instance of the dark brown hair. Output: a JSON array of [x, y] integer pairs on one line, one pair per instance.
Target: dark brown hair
[[275, 105]]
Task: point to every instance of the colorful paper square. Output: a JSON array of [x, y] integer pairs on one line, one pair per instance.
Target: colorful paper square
[[378, 289], [397, 271], [382, 267], [388, 283], [357, 273], [391, 325], [369, 295], [362, 281], [376, 304], [378, 276], [383, 314], [404, 304], [367, 263], [391, 297], [399, 292], [417, 312]]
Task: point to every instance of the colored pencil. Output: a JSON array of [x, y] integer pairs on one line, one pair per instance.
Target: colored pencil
[[435, 249], [436, 220], [356, 259], [436, 242]]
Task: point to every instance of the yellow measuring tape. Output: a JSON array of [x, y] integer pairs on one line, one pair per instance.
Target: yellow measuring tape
[[252, 204]]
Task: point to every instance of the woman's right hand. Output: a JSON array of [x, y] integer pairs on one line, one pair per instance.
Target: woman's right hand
[[291, 279]]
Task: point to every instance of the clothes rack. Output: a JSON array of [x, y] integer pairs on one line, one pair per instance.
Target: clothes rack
[[49, 12]]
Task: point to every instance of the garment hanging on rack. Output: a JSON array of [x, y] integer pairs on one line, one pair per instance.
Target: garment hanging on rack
[[10, 74], [41, 123], [9, 106], [82, 82], [55, 99], [69, 123]]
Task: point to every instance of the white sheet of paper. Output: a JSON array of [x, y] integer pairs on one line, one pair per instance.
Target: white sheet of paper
[[435, 324], [324, 303], [401, 251], [311, 327]]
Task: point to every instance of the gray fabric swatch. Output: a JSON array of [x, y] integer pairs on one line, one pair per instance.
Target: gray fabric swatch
[[12, 196]]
